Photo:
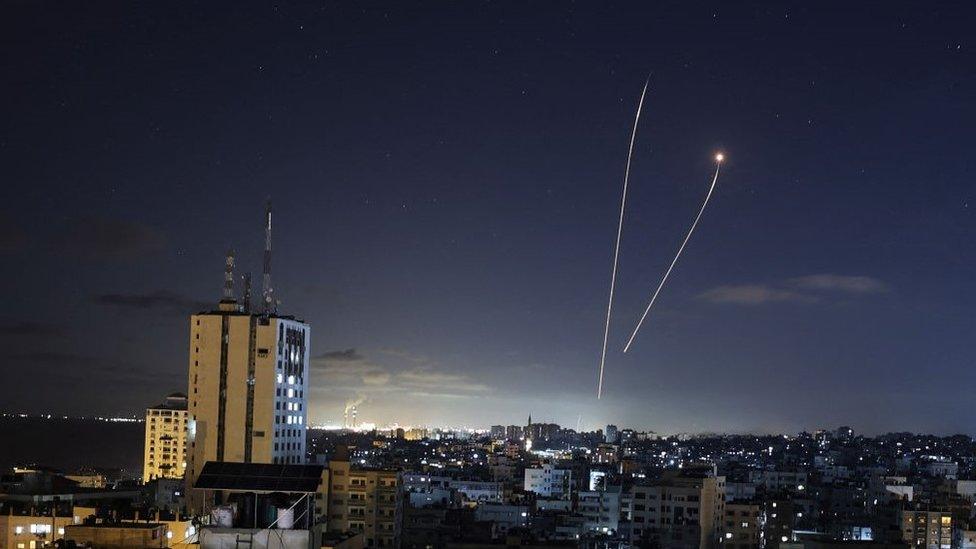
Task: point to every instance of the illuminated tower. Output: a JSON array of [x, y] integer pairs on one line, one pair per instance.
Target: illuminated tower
[[248, 383]]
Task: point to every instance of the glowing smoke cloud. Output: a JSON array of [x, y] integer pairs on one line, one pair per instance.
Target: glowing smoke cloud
[[620, 228], [718, 163]]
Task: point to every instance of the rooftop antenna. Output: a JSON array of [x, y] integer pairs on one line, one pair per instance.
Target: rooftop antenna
[[267, 293], [227, 300], [247, 293], [228, 294]]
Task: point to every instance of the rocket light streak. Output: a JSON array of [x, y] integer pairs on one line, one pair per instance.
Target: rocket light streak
[[718, 164], [620, 228]]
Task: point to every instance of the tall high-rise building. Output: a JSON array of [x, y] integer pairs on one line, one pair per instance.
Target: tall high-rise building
[[248, 380], [166, 428]]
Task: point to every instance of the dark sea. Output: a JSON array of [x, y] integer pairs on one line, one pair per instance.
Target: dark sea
[[71, 444]]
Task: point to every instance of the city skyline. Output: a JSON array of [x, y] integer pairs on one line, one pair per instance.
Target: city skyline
[[446, 185], [367, 426]]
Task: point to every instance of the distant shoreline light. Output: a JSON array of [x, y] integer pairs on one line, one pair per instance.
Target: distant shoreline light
[[21, 415]]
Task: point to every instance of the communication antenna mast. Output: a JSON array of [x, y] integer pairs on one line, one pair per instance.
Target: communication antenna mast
[[267, 292], [247, 293]]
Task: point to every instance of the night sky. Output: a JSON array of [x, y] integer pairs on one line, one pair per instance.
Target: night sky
[[446, 181]]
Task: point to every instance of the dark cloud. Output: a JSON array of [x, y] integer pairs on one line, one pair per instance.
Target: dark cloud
[[104, 370], [158, 300], [347, 355], [26, 329], [104, 238]]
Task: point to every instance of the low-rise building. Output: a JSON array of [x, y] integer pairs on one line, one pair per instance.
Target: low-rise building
[[548, 481], [26, 532], [121, 535], [503, 517], [776, 481], [742, 525], [683, 509], [479, 491], [945, 469], [600, 510], [362, 500]]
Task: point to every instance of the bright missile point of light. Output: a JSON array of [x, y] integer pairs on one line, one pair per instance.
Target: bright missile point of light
[[719, 157]]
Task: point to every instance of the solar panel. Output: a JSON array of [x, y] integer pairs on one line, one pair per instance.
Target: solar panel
[[259, 477]]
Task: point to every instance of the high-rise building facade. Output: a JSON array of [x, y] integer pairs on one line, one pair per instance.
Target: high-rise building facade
[[166, 439], [248, 388]]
